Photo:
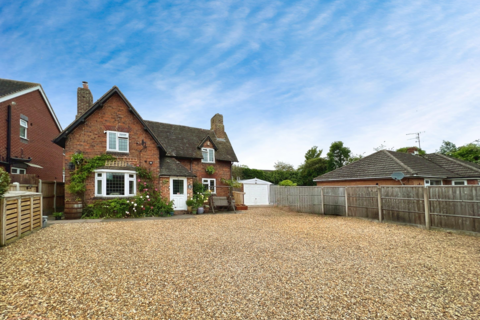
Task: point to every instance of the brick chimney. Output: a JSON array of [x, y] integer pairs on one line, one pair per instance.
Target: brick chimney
[[84, 99], [412, 150], [217, 126]]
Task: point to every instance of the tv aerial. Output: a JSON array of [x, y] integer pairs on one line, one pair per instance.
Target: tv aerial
[[417, 137]]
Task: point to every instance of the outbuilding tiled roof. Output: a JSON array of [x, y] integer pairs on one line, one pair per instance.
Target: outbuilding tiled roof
[[171, 167], [182, 141], [383, 163], [8, 87]]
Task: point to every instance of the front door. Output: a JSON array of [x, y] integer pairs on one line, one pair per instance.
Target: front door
[[178, 193]]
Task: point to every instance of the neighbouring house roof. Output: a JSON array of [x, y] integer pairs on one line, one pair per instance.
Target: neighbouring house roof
[[60, 140], [183, 142], [10, 89], [383, 163], [172, 167]]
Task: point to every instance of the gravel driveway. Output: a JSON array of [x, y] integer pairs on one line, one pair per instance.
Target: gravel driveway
[[260, 264]]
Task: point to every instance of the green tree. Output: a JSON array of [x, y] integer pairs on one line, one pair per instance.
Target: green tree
[[237, 171], [447, 148], [469, 152], [353, 158], [338, 155], [283, 166], [313, 153], [313, 167]]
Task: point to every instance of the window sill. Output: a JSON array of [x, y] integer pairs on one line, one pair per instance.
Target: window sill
[[208, 161]]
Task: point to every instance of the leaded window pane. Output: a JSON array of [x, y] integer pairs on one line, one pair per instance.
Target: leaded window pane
[[99, 186], [131, 187], [210, 155], [112, 140], [178, 187], [115, 184], [122, 144], [205, 155]]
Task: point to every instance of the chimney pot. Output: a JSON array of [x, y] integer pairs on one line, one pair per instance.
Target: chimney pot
[[85, 84]]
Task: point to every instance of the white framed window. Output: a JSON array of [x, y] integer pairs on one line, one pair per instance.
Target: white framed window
[[208, 155], [23, 129], [459, 182], [433, 182], [111, 183], [210, 184], [18, 171], [117, 141]]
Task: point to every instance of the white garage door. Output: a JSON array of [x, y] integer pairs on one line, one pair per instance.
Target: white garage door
[[256, 194]]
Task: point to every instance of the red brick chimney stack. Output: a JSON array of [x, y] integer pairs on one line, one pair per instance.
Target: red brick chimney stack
[[84, 99], [217, 126]]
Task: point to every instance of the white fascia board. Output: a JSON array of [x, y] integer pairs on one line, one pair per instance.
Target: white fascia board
[[39, 88]]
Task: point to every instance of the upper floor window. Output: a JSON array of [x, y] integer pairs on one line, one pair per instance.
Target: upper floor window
[[18, 171], [117, 141], [23, 129], [208, 155]]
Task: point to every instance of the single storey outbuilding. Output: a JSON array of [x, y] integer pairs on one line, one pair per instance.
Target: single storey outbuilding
[[257, 192]]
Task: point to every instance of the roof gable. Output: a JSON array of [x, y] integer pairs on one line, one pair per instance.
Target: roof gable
[[60, 140], [10, 89]]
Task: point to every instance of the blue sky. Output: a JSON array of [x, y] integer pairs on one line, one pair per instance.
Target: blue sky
[[285, 75]]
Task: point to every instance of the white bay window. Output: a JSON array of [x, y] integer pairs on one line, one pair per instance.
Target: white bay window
[[111, 183]]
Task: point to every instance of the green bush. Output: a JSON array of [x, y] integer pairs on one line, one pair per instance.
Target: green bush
[[287, 183], [4, 181]]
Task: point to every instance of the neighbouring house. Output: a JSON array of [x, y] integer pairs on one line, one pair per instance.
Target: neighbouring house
[[176, 155], [428, 169], [29, 125]]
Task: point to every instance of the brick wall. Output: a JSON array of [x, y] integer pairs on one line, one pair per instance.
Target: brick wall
[[90, 139], [222, 170], [380, 182], [42, 129]]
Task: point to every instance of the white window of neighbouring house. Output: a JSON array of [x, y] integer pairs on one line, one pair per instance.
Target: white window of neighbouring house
[[210, 185], [459, 182], [23, 129], [110, 183], [117, 141], [208, 155], [18, 171], [431, 182]]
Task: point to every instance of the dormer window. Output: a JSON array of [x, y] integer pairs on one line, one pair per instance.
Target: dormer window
[[208, 155], [117, 141]]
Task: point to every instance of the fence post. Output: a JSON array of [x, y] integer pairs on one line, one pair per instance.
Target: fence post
[[3, 228], [55, 197], [346, 202], [19, 217], [40, 185], [323, 200], [379, 191], [31, 213], [427, 207]]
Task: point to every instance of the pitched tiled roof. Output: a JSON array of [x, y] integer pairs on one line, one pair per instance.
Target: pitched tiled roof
[[383, 163], [463, 169], [172, 167], [8, 87], [183, 141]]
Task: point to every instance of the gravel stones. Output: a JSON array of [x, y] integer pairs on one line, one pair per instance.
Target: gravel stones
[[260, 264]]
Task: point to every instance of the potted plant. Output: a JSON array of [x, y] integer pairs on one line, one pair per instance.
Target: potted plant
[[58, 215], [190, 204], [210, 170]]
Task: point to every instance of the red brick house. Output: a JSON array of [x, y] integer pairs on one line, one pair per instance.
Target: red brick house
[[429, 169], [30, 125], [176, 155]]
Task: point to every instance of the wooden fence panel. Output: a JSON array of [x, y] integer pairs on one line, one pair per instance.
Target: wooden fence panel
[[301, 199], [363, 202], [403, 204], [334, 198], [53, 196], [19, 213], [451, 207]]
